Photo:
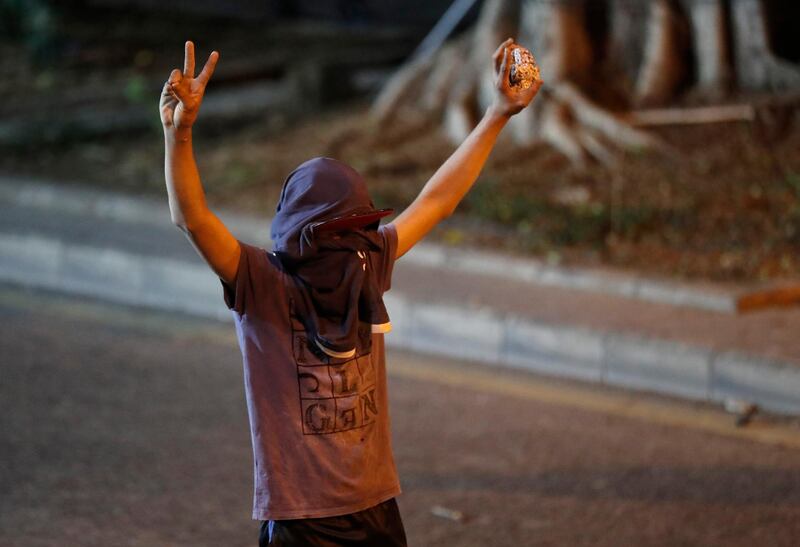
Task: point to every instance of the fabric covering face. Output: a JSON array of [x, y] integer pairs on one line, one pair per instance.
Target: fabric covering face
[[338, 289]]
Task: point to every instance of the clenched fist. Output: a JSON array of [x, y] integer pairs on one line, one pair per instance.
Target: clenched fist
[[510, 99]]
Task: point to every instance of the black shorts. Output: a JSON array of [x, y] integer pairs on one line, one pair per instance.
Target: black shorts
[[378, 526]]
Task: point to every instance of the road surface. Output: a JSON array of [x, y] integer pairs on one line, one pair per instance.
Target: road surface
[[124, 427]]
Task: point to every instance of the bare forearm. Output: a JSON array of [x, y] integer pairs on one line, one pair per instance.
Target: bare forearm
[[447, 187], [178, 107], [187, 201]]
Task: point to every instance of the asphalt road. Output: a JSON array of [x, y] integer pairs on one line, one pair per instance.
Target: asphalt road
[[123, 427]]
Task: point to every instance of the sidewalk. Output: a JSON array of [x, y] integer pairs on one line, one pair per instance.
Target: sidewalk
[[606, 327]]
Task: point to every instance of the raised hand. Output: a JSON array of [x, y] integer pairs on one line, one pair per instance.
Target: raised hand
[[183, 93], [509, 99]]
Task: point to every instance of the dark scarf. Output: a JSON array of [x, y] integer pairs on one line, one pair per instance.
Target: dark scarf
[[338, 288]]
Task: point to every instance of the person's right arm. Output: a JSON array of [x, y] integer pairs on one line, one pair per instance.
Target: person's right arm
[[180, 102]]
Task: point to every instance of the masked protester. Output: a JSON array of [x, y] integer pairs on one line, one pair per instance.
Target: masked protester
[[311, 321]]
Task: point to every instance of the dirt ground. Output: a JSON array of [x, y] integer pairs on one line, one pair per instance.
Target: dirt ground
[[725, 206]]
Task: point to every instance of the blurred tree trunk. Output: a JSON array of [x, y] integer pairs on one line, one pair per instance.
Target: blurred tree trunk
[[598, 58], [712, 50], [757, 67]]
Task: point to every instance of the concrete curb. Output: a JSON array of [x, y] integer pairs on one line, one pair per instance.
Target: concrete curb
[[535, 271], [617, 359], [89, 202], [133, 209], [173, 285], [480, 335]]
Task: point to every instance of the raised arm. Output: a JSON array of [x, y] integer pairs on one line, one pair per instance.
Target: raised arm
[[445, 189], [180, 102]]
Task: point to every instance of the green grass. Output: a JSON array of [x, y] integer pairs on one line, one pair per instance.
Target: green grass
[[542, 224]]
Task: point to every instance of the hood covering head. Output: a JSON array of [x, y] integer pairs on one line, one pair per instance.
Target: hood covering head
[[324, 226]]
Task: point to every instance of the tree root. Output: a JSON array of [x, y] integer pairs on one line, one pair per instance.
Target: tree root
[[402, 88], [451, 85], [562, 115]]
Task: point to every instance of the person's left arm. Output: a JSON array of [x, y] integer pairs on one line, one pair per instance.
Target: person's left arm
[[446, 188]]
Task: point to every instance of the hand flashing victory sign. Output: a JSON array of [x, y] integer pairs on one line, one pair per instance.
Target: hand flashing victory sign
[[183, 93]]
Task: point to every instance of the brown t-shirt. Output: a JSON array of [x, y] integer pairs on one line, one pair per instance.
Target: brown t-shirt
[[319, 425]]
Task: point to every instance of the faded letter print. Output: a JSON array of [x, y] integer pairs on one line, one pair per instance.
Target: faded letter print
[[335, 397]]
